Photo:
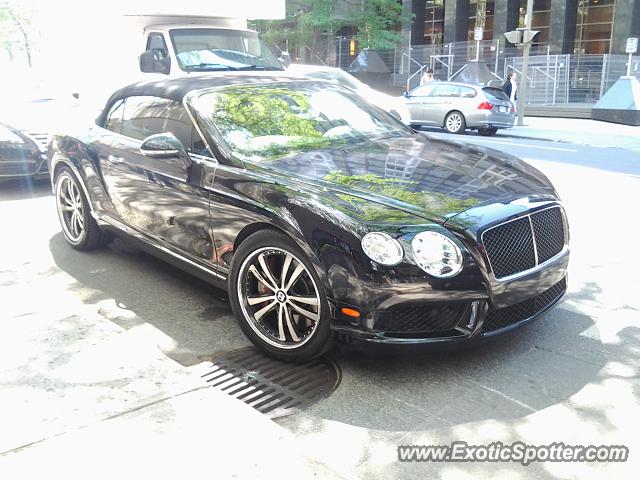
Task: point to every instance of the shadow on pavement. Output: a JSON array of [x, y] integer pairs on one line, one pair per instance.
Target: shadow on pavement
[[132, 288], [512, 377]]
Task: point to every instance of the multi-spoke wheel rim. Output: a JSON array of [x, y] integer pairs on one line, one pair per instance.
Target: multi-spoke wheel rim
[[454, 122], [279, 297], [70, 208]]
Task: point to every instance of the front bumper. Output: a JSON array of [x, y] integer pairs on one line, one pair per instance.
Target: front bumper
[[477, 321], [409, 317]]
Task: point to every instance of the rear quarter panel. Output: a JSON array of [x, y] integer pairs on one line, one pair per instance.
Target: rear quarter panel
[[86, 156]]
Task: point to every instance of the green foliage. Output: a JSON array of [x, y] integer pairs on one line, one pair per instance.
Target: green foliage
[[14, 23], [398, 189], [376, 23], [309, 22], [304, 18], [265, 111]]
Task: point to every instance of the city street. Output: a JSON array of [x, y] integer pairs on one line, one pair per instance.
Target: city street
[[89, 339]]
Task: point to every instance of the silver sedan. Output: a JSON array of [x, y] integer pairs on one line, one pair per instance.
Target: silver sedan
[[458, 106]]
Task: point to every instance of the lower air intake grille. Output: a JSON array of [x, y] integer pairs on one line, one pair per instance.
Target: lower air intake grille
[[427, 318], [505, 317]]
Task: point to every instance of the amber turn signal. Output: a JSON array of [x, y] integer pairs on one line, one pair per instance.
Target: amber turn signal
[[350, 312]]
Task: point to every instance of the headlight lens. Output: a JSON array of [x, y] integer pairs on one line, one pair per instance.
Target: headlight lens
[[7, 135], [382, 248], [436, 254]]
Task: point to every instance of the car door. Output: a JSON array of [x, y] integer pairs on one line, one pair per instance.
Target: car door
[[442, 99], [162, 197], [418, 101]]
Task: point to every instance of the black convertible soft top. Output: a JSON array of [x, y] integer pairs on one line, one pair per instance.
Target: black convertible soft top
[[177, 88]]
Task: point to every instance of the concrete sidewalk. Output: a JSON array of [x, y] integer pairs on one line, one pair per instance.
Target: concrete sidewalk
[[579, 131]]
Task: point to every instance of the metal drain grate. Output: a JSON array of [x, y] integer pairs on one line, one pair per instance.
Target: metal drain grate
[[272, 387]]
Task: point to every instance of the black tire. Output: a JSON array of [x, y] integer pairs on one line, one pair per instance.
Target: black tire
[[487, 131], [455, 122], [272, 246], [91, 236]]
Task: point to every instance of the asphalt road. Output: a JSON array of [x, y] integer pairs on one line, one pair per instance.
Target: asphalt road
[[571, 377]]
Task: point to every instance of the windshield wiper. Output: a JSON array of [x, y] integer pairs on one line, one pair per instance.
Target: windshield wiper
[[207, 66], [258, 67]]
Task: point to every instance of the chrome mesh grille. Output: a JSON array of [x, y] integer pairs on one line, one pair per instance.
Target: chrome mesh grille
[[524, 243], [548, 227]]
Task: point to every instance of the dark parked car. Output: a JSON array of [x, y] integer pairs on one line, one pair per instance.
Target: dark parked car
[[318, 212], [22, 154]]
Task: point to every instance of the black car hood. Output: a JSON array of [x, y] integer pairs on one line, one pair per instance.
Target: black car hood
[[424, 176]]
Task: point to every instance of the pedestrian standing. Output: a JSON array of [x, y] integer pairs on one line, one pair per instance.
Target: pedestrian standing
[[510, 87], [427, 76]]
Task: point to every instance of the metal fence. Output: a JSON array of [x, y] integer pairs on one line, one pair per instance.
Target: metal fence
[[552, 79]]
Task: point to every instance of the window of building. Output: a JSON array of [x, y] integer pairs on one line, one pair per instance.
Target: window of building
[[474, 21], [540, 20], [594, 26], [433, 22]]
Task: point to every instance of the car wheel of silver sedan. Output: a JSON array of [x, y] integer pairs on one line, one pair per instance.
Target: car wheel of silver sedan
[[455, 122], [78, 226], [278, 297]]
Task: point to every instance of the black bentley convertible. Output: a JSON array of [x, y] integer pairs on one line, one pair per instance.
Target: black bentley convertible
[[318, 212]]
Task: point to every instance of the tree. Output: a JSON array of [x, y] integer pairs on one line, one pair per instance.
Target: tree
[[311, 25], [377, 22], [13, 30]]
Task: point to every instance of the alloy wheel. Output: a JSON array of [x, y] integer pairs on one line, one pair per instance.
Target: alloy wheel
[[454, 122], [70, 208], [279, 297]]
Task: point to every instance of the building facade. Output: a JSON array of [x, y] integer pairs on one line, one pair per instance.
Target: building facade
[[565, 26]]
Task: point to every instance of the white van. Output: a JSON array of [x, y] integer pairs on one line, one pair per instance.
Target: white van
[[183, 45]]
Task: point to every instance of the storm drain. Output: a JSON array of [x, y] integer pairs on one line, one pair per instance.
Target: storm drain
[[272, 387]]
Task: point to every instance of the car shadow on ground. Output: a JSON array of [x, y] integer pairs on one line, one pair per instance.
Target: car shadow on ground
[[512, 377], [19, 189], [132, 288]]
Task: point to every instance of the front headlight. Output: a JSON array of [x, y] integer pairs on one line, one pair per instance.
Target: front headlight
[[7, 135], [436, 254], [382, 248]]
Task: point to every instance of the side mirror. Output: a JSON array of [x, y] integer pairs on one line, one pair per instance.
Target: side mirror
[[163, 145], [406, 94], [166, 147], [155, 61]]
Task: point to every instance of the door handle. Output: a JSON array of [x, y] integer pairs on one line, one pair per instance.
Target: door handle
[[114, 159]]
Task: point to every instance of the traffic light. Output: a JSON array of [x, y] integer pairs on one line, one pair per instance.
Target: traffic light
[[521, 36], [514, 36], [527, 35]]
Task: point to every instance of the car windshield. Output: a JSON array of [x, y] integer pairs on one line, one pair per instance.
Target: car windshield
[[204, 49], [264, 122]]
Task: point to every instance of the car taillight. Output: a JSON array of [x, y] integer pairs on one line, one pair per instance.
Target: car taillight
[[485, 106], [513, 108]]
